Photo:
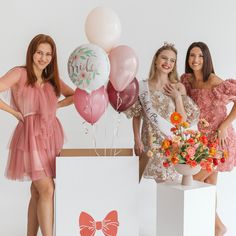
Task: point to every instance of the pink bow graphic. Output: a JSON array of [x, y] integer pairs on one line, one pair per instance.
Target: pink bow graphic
[[88, 225]]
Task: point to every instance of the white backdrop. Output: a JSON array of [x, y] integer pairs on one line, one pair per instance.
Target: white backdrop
[[145, 26]]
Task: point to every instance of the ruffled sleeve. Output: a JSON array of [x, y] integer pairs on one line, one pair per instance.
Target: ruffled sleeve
[[226, 91], [7, 81], [185, 80], [135, 110], [10, 78], [191, 109]]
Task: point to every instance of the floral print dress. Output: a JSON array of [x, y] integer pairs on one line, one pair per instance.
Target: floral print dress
[[164, 106], [212, 104]]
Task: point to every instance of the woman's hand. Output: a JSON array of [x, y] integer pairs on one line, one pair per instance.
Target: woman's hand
[[171, 91], [18, 116], [138, 147], [222, 135]]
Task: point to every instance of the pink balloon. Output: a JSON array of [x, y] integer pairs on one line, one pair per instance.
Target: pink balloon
[[124, 66], [91, 106]]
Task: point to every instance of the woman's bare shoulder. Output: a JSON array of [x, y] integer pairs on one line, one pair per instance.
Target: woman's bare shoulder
[[215, 80]]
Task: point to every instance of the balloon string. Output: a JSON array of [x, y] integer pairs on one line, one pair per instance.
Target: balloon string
[[91, 108], [86, 107], [84, 124], [116, 153], [93, 125], [115, 133], [118, 101], [94, 139], [105, 109]]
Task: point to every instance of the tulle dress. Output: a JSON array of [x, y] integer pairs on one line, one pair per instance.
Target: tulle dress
[[212, 104], [37, 141]]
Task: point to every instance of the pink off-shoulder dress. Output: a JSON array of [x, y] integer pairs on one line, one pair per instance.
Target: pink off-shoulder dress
[[212, 104], [37, 141]]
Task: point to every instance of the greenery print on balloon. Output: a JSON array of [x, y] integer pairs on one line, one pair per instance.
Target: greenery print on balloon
[[88, 67]]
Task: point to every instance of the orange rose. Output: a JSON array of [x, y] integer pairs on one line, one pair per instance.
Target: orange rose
[[165, 144], [212, 151], [175, 160], [185, 124]]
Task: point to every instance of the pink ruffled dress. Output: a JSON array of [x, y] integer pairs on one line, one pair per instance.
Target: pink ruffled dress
[[38, 140], [212, 104]]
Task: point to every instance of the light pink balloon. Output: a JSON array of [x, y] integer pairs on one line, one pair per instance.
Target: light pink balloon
[[124, 66], [91, 106]]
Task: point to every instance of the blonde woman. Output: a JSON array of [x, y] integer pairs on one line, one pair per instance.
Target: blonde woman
[[160, 95]]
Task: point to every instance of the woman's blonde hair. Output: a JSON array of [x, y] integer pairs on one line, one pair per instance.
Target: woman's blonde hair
[[173, 75]]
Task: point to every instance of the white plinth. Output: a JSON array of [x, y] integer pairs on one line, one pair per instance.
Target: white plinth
[[147, 207], [97, 186], [184, 210]]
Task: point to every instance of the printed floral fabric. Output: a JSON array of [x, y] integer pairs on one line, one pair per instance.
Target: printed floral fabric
[[212, 104], [164, 106]]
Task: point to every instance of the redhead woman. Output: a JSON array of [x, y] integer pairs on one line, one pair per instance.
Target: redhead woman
[[38, 137]]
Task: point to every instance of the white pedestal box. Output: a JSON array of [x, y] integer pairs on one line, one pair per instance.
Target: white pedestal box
[[185, 210], [97, 194], [147, 207]]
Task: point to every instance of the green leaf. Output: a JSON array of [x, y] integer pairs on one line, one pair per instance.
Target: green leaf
[[181, 162]]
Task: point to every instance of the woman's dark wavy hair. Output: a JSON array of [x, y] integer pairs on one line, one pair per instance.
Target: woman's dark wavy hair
[[207, 68], [50, 73]]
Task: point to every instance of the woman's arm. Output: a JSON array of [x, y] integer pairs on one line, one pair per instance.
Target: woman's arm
[[222, 129], [7, 81], [138, 145], [176, 93], [7, 108], [10, 78], [68, 93]]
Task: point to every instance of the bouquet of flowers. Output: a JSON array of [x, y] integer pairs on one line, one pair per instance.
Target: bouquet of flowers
[[190, 147]]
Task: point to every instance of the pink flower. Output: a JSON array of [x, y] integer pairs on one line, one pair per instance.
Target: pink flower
[[203, 164], [191, 151], [168, 153]]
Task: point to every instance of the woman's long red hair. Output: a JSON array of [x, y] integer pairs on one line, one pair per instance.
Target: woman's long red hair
[[50, 73]]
